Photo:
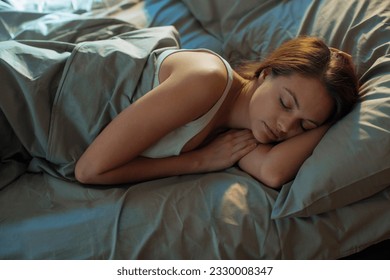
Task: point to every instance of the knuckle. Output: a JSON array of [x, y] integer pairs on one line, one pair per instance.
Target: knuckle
[[230, 136]]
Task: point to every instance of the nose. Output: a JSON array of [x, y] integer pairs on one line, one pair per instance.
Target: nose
[[286, 125]]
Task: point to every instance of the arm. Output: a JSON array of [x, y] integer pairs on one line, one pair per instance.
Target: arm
[[221, 153], [275, 165], [192, 83]]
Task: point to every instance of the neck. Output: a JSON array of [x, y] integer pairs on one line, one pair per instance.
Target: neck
[[237, 111]]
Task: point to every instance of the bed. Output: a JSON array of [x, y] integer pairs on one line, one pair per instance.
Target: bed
[[338, 204]]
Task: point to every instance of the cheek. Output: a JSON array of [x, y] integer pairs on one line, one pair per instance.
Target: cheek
[[323, 110], [262, 111], [263, 108], [329, 110]]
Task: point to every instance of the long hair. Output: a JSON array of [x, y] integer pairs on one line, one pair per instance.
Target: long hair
[[311, 57]]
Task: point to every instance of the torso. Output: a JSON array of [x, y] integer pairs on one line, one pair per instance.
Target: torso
[[208, 130], [204, 135]]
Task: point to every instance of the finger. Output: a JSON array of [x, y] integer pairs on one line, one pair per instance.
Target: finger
[[243, 152], [244, 136], [244, 146]]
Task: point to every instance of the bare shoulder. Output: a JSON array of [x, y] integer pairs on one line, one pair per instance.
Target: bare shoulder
[[201, 69], [190, 84]]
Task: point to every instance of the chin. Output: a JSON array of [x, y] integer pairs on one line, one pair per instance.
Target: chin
[[261, 138], [261, 134]]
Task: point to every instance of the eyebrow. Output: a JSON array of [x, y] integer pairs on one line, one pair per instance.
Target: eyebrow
[[293, 95]]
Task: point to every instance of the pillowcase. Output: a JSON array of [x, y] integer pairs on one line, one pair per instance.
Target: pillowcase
[[174, 12], [251, 29], [352, 161]]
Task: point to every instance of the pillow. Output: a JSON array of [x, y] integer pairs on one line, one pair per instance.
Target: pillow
[[219, 17], [250, 29], [352, 161], [174, 12]]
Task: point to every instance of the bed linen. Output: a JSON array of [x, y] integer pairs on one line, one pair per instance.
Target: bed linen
[[220, 215], [69, 96]]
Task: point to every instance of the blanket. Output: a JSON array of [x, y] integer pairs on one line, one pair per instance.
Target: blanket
[[334, 208], [58, 96]]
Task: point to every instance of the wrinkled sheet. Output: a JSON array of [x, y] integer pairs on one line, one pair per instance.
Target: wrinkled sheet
[[221, 215], [69, 92]]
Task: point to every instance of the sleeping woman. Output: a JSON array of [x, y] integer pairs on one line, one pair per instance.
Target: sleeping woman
[[203, 116]]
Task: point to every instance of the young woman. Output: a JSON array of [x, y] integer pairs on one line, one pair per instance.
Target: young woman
[[202, 116]]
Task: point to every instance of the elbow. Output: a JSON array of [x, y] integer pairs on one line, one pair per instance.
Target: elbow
[[273, 182], [84, 173], [273, 177], [267, 174]]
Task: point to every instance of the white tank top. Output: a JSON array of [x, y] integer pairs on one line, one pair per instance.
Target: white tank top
[[173, 142]]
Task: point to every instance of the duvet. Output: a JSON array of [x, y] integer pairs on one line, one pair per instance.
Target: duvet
[[69, 92], [66, 74]]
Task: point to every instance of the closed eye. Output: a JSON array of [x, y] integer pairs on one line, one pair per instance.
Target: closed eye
[[308, 125], [283, 103], [303, 127]]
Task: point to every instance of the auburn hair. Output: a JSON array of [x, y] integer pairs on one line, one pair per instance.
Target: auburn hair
[[311, 57]]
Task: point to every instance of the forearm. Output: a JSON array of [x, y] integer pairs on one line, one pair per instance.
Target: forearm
[[143, 169], [221, 153], [278, 164]]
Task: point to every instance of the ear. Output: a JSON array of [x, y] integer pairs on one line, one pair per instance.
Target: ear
[[264, 73]]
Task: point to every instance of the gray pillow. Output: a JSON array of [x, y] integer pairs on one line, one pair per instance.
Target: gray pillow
[[353, 159]]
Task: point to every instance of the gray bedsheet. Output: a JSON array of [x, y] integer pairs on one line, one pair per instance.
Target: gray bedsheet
[[224, 215], [44, 214], [69, 92]]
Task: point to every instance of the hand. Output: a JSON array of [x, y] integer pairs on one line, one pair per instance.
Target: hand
[[226, 150]]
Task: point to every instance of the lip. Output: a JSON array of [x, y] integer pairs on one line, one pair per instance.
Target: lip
[[270, 133]]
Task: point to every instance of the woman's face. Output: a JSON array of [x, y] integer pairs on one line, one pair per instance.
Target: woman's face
[[285, 106]]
